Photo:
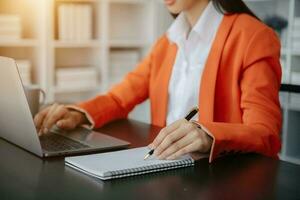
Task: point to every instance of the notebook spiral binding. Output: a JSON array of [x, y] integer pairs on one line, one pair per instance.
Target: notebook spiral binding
[[151, 168]]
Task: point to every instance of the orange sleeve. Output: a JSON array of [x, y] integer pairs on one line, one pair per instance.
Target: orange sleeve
[[122, 98], [261, 114]]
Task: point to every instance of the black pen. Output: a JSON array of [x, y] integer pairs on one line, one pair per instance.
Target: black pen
[[188, 117]]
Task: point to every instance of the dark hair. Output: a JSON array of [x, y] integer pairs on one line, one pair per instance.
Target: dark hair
[[228, 7]]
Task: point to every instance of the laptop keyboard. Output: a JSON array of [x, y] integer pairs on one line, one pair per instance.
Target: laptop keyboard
[[54, 142]]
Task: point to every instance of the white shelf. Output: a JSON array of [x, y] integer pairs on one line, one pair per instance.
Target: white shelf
[[127, 43], [58, 90], [19, 43], [70, 44], [77, 1], [128, 1]]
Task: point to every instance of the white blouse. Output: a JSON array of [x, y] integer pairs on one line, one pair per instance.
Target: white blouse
[[193, 49]]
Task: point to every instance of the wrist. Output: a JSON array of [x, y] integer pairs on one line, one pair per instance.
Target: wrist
[[86, 119], [206, 138], [80, 117]]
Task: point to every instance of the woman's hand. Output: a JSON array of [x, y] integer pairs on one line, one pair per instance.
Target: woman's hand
[[180, 138], [58, 115]]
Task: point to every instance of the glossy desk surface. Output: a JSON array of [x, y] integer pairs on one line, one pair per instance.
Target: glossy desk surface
[[25, 176]]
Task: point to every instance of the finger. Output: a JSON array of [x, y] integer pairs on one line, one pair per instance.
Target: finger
[[151, 146], [183, 142], [187, 149], [169, 140], [49, 114], [39, 118], [165, 131], [67, 123], [56, 115]]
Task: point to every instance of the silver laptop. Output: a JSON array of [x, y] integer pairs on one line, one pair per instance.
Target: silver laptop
[[17, 126]]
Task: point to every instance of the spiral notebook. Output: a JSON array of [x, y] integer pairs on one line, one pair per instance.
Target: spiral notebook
[[124, 163]]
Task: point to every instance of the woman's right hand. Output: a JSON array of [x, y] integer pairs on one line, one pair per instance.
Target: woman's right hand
[[58, 115]]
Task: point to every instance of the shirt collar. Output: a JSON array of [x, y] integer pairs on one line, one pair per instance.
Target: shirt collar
[[205, 27]]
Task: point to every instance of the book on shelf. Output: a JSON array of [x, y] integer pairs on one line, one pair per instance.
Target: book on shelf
[[10, 27], [76, 78], [75, 22], [76, 71]]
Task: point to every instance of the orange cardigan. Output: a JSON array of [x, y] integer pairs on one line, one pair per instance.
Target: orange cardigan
[[238, 99]]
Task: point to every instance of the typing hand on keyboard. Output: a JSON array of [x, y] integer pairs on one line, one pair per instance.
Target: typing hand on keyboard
[[59, 115]]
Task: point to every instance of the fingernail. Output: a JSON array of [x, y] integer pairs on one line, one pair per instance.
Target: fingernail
[[45, 130], [58, 124]]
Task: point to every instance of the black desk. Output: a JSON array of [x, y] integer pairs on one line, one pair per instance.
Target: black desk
[[25, 176]]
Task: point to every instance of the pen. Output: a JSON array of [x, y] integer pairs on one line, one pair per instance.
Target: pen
[[188, 117]]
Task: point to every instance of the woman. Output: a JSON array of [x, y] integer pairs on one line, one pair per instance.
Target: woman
[[216, 55]]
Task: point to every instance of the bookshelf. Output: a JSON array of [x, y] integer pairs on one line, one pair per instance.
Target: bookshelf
[[30, 43], [112, 22], [112, 26]]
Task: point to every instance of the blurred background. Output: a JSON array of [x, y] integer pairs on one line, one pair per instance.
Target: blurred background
[[76, 49]]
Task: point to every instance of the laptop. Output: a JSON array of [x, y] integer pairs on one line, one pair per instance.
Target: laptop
[[17, 126]]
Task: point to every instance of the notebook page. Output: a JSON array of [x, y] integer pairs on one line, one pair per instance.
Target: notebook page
[[103, 164]]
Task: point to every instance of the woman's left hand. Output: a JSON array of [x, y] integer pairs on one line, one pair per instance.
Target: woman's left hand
[[179, 138]]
